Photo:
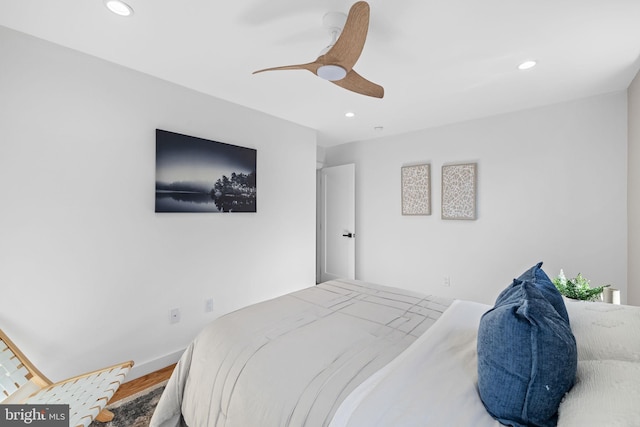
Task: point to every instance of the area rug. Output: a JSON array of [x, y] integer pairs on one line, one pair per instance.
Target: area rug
[[135, 410]]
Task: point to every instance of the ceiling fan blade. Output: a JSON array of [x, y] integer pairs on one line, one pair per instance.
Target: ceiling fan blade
[[311, 66], [347, 49], [356, 83]]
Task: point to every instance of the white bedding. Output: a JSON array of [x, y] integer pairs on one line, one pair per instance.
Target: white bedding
[[350, 354], [607, 388], [292, 360], [432, 383]]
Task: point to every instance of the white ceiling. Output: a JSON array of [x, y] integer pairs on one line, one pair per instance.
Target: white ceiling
[[440, 61]]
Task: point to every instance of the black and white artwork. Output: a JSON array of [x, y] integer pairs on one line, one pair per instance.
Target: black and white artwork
[[199, 175]]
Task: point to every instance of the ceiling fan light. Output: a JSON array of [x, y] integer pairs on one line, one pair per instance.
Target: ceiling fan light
[[331, 72], [118, 7]]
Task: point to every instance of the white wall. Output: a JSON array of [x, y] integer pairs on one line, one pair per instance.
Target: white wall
[[632, 192], [88, 271], [551, 187]]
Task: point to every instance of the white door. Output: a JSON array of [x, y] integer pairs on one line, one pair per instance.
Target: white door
[[337, 223]]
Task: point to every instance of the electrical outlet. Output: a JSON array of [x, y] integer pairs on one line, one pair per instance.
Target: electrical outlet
[[174, 315], [446, 282], [208, 306]]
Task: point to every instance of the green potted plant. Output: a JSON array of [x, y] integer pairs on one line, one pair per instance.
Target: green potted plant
[[577, 288]]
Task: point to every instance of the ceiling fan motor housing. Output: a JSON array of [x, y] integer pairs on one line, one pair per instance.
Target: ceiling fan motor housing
[[333, 21]]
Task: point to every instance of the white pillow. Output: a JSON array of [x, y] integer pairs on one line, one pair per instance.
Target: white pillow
[[606, 393], [605, 331]]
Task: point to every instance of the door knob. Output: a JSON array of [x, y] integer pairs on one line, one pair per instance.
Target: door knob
[[349, 235]]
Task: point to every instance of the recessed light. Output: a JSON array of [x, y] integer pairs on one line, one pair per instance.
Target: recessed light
[[349, 114], [119, 7], [527, 65]]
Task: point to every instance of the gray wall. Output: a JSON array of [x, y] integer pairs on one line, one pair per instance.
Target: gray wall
[[551, 187], [88, 271]]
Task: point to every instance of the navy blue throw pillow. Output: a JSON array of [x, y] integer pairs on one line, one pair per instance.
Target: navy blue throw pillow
[[527, 358], [539, 278]]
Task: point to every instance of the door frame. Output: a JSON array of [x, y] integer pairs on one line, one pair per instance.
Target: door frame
[[320, 221]]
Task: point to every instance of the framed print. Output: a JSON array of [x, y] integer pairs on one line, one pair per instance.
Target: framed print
[[200, 175], [416, 190], [459, 182]]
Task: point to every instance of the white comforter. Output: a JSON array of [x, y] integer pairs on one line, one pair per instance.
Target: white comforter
[[292, 360]]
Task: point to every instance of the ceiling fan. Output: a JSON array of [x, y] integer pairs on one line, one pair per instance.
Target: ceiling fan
[[336, 61]]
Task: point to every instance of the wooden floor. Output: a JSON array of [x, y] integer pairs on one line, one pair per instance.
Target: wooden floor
[[132, 387]]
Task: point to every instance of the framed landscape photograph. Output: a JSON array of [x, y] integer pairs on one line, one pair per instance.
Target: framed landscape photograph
[[200, 175], [459, 183], [416, 190]]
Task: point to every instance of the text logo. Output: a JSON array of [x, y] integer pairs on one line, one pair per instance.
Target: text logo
[[34, 415]]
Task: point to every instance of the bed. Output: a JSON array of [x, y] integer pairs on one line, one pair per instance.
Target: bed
[[350, 353]]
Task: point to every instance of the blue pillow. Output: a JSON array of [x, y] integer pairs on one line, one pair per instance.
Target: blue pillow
[[539, 278], [527, 358]]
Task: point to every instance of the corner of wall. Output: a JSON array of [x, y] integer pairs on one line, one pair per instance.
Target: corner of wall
[[633, 198]]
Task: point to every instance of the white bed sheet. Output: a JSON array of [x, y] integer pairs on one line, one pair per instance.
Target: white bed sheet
[[432, 383]]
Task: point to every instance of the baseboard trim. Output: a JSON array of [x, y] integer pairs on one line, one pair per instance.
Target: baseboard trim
[[144, 368]]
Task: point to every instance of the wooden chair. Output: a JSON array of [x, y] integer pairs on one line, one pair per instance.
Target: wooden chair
[[87, 395]]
